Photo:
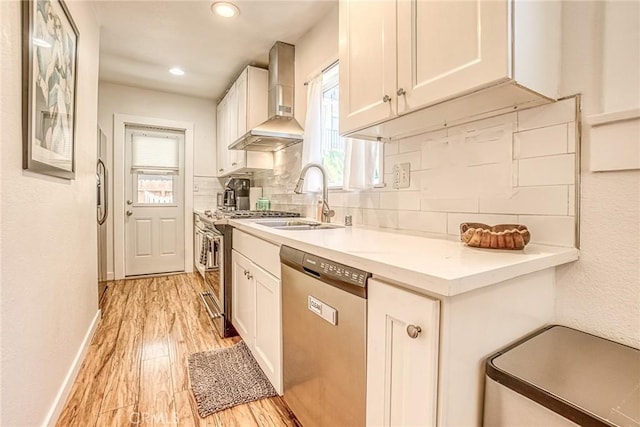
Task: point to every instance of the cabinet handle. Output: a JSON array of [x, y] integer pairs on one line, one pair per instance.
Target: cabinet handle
[[401, 92], [220, 170], [233, 164], [413, 331], [249, 275], [386, 98]]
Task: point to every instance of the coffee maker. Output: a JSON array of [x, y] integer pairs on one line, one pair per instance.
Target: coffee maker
[[236, 194]]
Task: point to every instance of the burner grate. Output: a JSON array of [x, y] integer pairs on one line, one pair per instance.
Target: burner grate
[[260, 214]]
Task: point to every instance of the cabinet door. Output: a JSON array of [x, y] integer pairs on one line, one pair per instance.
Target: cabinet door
[[367, 52], [241, 95], [243, 303], [268, 344], [221, 142], [236, 158], [448, 48], [401, 370]]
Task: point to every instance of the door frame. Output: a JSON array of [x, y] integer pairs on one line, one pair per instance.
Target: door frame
[[120, 121]]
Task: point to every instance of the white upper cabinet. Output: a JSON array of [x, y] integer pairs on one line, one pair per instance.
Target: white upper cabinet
[[480, 56], [449, 48], [367, 46], [245, 106]]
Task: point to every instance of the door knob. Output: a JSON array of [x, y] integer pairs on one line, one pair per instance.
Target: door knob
[[129, 202], [401, 92], [413, 331], [129, 213], [386, 98]]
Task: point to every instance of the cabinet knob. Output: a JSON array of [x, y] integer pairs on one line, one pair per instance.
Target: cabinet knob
[[129, 213], [220, 170], [386, 98], [401, 92], [233, 164], [413, 331]]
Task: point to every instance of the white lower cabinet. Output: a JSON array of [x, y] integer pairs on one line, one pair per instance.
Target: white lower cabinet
[[402, 357], [268, 335], [243, 298], [257, 306]]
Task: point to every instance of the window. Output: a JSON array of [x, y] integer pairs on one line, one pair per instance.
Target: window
[[333, 145], [154, 166]]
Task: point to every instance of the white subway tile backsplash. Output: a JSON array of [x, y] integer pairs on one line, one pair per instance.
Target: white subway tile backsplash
[[549, 200], [449, 205], [547, 115], [405, 200], [571, 211], [415, 143], [551, 170], [483, 171], [380, 218], [571, 138], [455, 219], [433, 222], [550, 230], [435, 154], [540, 142], [390, 148]]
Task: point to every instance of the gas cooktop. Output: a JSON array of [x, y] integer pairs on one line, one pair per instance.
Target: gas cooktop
[[255, 214]]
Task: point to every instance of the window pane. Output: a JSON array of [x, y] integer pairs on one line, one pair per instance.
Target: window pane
[[153, 152], [154, 189], [333, 154]]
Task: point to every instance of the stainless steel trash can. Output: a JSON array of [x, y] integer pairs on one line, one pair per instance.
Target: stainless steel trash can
[[559, 376]]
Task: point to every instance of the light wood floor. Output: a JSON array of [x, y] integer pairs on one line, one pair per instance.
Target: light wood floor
[[135, 371]]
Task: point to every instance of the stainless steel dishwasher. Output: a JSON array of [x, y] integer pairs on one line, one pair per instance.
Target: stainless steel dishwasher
[[324, 328]]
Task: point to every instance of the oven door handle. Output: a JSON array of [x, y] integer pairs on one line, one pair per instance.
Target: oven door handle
[[205, 295]]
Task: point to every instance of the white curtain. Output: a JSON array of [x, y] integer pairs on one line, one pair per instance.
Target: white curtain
[[361, 160], [312, 142]]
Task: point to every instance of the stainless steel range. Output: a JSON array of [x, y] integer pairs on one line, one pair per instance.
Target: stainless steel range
[[217, 274]]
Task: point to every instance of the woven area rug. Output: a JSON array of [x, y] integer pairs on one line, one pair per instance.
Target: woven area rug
[[224, 378]]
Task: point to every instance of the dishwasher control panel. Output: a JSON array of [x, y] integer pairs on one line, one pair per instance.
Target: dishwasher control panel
[[335, 270]]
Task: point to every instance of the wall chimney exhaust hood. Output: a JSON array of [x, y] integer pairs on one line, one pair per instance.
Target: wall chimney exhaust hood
[[281, 129]]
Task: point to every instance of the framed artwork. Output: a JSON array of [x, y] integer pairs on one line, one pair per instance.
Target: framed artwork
[[49, 83]]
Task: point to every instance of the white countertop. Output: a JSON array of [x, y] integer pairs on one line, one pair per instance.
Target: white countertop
[[443, 266]]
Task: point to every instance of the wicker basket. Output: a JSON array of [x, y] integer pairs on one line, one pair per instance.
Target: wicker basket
[[501, 236]]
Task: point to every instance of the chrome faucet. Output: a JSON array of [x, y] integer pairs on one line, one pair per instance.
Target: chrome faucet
[[326, 212]]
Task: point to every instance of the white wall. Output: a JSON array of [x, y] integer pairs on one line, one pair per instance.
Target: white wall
[[601, 59], [119, 99], [49, 255]]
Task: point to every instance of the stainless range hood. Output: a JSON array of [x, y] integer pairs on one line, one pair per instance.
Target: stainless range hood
[[281, 129]]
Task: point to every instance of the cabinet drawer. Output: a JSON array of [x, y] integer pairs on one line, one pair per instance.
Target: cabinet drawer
[[260, 252]]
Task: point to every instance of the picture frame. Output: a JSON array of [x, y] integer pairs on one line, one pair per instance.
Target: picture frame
[[49, 86]]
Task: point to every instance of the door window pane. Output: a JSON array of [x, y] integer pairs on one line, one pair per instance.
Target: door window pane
[[154, 152], [154, 189]]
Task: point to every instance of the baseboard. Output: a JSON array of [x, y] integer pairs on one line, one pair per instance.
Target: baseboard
[[65, 389], [110, 275]]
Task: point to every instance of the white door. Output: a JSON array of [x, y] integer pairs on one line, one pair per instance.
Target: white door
[[367, 48], [243, 298], [268, 345], [402, 363], [447, 48], [154, 201]]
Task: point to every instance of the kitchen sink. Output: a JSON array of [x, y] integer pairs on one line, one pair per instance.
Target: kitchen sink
[[299, 225]]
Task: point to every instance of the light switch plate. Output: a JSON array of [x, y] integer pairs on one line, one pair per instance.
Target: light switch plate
[[402, 175]]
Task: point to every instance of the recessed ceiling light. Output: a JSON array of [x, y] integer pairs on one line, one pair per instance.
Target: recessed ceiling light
[[176, 71], [224, 9]]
